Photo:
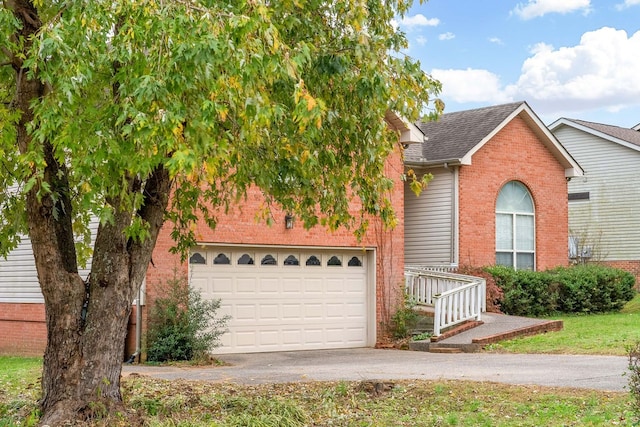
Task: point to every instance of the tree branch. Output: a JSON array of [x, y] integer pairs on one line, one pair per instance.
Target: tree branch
[[156, 192]]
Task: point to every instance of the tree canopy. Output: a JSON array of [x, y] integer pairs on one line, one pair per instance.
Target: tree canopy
[[141, 112], [287, 95]]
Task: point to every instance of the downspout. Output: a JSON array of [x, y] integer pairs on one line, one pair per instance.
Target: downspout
[[132, 358]]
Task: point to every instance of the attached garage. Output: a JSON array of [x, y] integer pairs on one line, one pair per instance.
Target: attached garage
[[294, 298]]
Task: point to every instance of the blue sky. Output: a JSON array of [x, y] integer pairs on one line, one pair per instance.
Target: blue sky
[[578, 59]]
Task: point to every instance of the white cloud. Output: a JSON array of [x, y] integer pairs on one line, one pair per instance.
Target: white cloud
[[496, 40], [627, 3], [470, 85], [600, 72], [446, 36], [537, 8], [421, 40], [419, 20]]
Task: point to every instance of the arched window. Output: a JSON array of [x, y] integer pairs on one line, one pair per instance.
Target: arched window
[[515, 227]]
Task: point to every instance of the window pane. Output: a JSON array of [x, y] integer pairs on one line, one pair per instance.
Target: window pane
[[524, 261], [221, 259], [291, 260], [245, 259], [197, 258], [355, 262], [504, 258], [504, 232], [334, 261], [514, 197], [268, 260], [524, 233], [313, 261]]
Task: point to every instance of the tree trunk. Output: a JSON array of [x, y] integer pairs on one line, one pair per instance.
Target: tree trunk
[[86, 319]]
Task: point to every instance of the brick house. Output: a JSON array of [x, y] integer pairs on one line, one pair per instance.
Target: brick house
[[285, 287], [498, 193]]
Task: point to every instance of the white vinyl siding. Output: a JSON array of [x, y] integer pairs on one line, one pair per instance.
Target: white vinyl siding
[[18, 275], [429, 221], [610, 216]]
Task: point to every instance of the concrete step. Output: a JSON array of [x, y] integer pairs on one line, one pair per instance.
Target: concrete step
[[437, 349]]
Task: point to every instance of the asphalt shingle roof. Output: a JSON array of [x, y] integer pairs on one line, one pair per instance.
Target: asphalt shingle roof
[[455, 134], [628, 135]]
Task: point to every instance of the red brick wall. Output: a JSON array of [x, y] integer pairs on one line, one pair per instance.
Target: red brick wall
[[514, 153], [23, 330], [23, 327], [239, 226]]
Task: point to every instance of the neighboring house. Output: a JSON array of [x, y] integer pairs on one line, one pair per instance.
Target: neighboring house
[[285, 288], [604, 204], [498, 193]]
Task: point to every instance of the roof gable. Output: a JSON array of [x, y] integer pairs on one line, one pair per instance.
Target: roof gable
[[629, 138], [455, 137]]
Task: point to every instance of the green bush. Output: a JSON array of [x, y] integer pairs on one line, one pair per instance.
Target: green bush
[[586, 288], [405, 318], [524, 292], [494, 293], [183, 326], [593, 288]]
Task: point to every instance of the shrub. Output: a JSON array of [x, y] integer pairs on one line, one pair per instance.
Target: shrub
[[494, 292], [579, 289], [404, 319], [183, 326], [593, 288], [525, 293]]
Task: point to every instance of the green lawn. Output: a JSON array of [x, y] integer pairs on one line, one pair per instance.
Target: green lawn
[[159, 403], [608, 334], [19, 389]]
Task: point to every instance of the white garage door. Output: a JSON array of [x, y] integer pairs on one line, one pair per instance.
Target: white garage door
[[287, 299]]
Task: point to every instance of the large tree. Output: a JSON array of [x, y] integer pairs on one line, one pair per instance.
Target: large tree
[[141, 112]]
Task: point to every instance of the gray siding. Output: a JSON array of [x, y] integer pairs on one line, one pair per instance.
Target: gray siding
[[18, 276], [429, 221], [610, 219]]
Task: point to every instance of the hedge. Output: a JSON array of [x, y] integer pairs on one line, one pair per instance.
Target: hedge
[[586, 288]]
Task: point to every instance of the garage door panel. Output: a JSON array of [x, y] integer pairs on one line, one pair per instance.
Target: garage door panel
[[245, 285], [291, 337], [270, 312], [292, 312], [313, 286], [244, 313], [292, 286], [270, 285], [322, 302]]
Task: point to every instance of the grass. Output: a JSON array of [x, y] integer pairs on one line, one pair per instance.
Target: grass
[[605, 334], [19, 389], [159, 403]]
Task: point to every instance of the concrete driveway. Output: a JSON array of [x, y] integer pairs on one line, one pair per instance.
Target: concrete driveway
[[591, 372]]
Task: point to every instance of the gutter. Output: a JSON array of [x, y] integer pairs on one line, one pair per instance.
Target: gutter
[[442, 162]]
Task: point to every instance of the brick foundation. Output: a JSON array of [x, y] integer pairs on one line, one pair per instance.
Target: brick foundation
[[23, 330]]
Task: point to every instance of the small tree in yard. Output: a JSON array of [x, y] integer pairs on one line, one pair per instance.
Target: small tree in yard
[[182, 325], [108, 108]]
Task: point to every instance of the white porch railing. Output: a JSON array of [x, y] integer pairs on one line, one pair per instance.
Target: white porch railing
[[456, 298]]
